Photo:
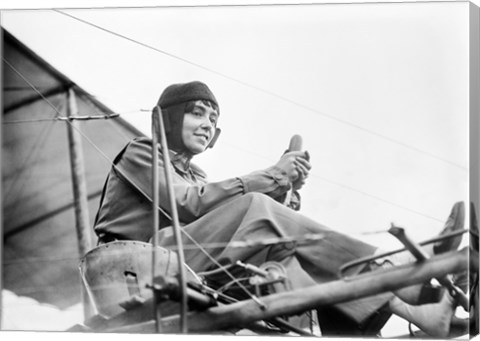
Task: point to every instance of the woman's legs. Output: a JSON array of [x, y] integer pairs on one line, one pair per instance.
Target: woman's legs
[[256, 217]]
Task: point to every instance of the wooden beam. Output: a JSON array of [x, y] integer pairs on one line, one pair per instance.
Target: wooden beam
[[80, 195], [158, 127]]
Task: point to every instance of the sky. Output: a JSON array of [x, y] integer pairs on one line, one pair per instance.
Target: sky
[[379, 93]]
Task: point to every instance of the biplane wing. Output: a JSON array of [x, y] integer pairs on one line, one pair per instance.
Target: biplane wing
[[38, 210]]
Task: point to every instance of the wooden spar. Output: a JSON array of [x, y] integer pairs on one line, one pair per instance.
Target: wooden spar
[[242, 313], [80, 196], [182, 276], [156, 213]]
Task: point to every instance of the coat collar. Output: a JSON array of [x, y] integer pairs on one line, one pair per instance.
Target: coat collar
[[181, 161]]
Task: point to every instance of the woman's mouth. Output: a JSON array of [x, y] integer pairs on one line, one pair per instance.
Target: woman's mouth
[[203, 136]]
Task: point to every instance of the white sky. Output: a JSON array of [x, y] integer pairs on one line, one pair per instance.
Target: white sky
[[382, 71], [394, 71]]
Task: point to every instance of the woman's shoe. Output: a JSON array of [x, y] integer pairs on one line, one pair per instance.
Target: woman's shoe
[[454, 223]]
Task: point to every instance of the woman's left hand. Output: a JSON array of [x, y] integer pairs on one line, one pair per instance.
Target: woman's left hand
[[303, 166]]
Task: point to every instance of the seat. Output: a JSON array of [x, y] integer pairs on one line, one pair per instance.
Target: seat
[[118, 272]]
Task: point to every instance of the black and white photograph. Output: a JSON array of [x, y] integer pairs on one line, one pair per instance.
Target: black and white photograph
[[239, 169]]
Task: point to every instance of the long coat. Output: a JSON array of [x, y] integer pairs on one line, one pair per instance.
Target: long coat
[[220, 214]]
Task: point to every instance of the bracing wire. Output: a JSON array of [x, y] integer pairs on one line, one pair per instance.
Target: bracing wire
[[271, 93], [411, 210], [299, 240], [313, 175], [332, 182], [44, 133], [40, 140], [183, 231], [304, 239], [119, 131], [199, 246], [292, 102], [338, 184], [30, 121], [206, 253]]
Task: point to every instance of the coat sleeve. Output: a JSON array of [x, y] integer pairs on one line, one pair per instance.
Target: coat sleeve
[[194, 200]]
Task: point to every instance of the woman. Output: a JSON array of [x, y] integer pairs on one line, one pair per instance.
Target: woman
[[244, 208]]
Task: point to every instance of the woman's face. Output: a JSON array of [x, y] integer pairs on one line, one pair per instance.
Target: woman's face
[[199, 127]]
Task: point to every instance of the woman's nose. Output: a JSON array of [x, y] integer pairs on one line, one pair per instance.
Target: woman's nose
[[207, 124]]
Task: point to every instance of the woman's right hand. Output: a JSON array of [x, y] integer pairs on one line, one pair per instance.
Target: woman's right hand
[[295, 165]]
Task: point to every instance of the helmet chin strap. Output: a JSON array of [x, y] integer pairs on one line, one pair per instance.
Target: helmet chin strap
[[215, 137]]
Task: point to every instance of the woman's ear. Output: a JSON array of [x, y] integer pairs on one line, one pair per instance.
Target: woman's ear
[[215, 137]]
